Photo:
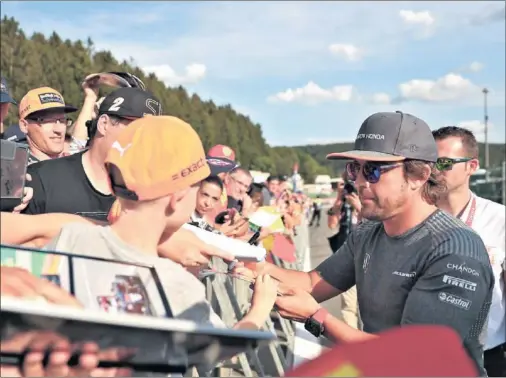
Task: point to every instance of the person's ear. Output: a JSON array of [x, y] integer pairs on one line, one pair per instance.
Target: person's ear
[[175, 199], [473, 166], [416, 183], [102, 125], [23, 126]]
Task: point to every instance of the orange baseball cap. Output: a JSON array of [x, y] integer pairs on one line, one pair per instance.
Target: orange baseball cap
[[40, 99], [221, 151], [156, 156]]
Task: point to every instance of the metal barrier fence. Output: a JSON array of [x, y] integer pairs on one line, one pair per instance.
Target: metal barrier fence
[[231, 299]]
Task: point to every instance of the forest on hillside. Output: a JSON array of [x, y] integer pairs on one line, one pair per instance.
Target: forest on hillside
[[34, 61]]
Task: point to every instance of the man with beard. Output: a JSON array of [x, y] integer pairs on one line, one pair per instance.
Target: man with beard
[[404, 260]]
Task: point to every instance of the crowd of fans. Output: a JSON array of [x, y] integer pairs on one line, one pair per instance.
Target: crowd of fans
[[122, 180], [124, 164]]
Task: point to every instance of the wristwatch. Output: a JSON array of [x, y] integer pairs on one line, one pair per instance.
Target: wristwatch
[[314, 324]]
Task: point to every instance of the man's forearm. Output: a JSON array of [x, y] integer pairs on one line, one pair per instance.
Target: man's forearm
[[338, 331], [289, 278]]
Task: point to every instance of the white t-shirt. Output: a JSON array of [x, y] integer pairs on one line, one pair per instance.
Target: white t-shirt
[[106, 286], [489, 223]]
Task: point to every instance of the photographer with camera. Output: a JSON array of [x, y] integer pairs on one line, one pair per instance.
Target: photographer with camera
[[345, 213]]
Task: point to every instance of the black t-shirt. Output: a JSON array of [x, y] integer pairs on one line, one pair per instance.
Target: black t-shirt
[[232, 203], [61, 186], [438, 272]]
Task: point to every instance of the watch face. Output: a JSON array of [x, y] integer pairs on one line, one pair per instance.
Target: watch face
[[313, 327]]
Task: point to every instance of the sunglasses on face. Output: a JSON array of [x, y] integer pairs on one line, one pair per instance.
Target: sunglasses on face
[[371, 170], [446, 164]]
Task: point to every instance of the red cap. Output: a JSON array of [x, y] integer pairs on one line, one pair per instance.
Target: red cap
[[221, 151]]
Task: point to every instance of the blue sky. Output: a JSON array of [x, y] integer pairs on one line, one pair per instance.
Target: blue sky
[[308, 72]]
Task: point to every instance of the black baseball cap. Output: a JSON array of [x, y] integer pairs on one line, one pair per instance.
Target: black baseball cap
[[130, 103], [220, 165], [392, 136], [5, 97]]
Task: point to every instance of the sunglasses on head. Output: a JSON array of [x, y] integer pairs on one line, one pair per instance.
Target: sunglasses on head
[[446, 163], [370, 170]]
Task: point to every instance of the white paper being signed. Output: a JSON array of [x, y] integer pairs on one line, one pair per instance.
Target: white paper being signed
[[239, 248]]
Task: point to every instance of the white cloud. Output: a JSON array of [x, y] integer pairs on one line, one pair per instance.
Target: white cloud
[[312, 93], [346, 51], [477, 127], [424, 18], [476, 66], [381, 98], [193, 74], [447, 88]]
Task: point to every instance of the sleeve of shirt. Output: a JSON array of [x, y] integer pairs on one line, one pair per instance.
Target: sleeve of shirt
[[339, 269], [455, 291], [37, 204]]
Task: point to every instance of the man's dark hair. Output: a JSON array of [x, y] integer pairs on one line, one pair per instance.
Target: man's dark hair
[[466, 136], [255, 188], [213, 180], [273, 178]]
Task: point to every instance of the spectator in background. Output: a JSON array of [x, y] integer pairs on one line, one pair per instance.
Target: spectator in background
[[221, 155], [272, 190], [42, 117], [458, 160], [5, 103], [221, 151], [317, 212], [208, 197], [257, 198], [237, 184], [14, 134], [283, 183], [79, 184]]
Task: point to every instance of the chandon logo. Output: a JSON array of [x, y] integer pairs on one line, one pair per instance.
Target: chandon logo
[[462, 268], [371, 136]]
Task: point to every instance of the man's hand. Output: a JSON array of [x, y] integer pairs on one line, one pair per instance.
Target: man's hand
[[37, 344], [185, 248], [27, 197], [234, 226], [296, 304], [91, 87], [265, 292], [17, 282], [354, 201]]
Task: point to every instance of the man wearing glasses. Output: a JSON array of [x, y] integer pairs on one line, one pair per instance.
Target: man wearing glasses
[[237, 184], [79, 183], [406, 258], [458, 160], [42, 117]]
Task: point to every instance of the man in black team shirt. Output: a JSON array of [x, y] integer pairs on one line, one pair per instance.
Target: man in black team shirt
[[78, 184], [406, 259]]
